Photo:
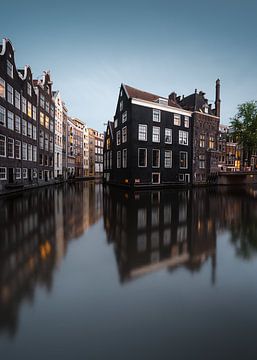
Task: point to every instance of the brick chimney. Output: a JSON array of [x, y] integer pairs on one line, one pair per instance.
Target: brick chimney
[[217, 99], [172, 98]]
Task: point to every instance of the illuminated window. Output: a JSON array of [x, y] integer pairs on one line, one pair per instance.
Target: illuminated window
[[183, 160], [2, 88], [186, 121], [42, 118], [177, 119], [202, 140], [211, 142], [29, 109]]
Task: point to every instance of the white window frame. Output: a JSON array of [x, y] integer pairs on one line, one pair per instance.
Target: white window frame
[[17, 101], [2, 83], [17, 146], [124, 134], [17, 129], [10, 94], [183, 137], [159, 177], [156, 115], [124, 116], [118, 159], [10, 141], [166, 165], [5, 172], [168, 130], [9, 68], [186, 122], [4, 140], [183, 167], [177, 120], [10, 116], [140, 132], [18, 177], [124, 158], [3, 113], [118, 139], [156, 134]]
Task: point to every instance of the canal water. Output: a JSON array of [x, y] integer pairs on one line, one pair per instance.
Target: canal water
[[88, 272]]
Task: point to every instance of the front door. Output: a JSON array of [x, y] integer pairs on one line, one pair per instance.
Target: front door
[[10, 175]]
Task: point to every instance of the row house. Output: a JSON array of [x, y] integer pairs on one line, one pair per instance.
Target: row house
[[75, 130], [18, 122], [86, 152], [96, 143], [46, 128], [158, 141], [229, 151]]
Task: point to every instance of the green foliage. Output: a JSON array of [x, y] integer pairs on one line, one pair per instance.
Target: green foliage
[[244, 125]]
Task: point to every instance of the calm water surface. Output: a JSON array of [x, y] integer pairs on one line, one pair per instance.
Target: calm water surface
[[93, 273]]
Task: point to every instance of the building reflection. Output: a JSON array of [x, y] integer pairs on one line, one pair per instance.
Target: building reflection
[[36, 227], [160, 229]]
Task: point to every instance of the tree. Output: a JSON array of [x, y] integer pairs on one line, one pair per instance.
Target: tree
[[244, 126]]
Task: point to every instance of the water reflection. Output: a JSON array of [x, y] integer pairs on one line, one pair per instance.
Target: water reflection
[[36, 228]]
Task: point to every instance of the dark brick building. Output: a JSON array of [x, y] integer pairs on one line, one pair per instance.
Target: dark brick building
[[158, 141], [18, 122]]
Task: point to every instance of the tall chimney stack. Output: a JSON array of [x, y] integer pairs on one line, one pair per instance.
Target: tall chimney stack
[[217, 99]]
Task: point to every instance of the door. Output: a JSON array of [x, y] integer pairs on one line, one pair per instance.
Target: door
[[187, 178], [10, 175]]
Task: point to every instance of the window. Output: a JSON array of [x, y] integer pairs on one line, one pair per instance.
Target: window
[[118, 159], [2, 146], [41, 139], [34, 173], [51, 143], [201, 161], [34, 113], [142, 132], [155, 158], [46, 142], [118, 137], [29, 89], [3, 173], [121, 105], [156, 115], [183, 160], [177, 119], [124, 158], [51, 125], [211, 142], [124, 134], [202, 140], [156, 134], [17, 100], [186, 121], [2, 88], [52, 110], [42, 101], [124, 116], [24, 151], [9, 68], [29, 109], [47, 106], [142, 157], [183, 137], [10, 120], [10, 148], [181, 177], [24, 105], [34, 132], [29, 130], [18, 173], [168, 159], [42, 119], [110, 159], [17, 123], [47, 122], [24, 127], [156, 178], [25, 173], [10, 94], [17, 149], [168, 136], [115, 123], [2, 116], [29, 152]]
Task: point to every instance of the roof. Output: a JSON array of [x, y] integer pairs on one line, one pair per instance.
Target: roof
[[143, 95], [195, 102]]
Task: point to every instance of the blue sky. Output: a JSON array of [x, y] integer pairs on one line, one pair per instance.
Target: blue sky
[[160, 46]]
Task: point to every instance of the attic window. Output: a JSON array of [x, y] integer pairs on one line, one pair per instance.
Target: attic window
[[206, 109], [162, 101]]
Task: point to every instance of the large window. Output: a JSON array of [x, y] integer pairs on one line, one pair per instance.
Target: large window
[[2, 146], [156, 134], [29, 89], [156, 115], [24, 105], [183, 160], [142, 132], [177, 119], [2, 116], [211, 142], [24, 127], [2, 88], [34, 112], [25, 173], [18, 173], [10, 148], [124, 116], [47, 122], [10, 120], [17, 123], [17, 100], [10, 94], [24, 151], [201, 161], [9, 68], [155, 158], [142, 157], [29, 109], [42, 101], [3, 173], [29, 152], [124, 158], [202, 140], [183, 137], [168, 159], [46, 142], [118, 159], [34, 132], [41, 139], [168, 136], [29, 130], [42, 119], [124, 134], [17, 149], [118, 137]]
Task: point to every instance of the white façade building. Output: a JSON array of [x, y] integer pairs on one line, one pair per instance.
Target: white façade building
[[59, 118]]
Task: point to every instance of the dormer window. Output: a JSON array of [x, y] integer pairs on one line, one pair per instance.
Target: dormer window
[[156, 115], [206, 109], [9, 68]]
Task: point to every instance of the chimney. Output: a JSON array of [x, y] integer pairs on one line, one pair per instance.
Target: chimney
[[172, 98], [217, 99]]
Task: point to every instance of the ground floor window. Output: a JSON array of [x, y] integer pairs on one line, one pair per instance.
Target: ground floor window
[[168, 159], [2, 173], [142, 157], [18, 173], [156, 178], [118, 159], [124, 158], [183, 160], [201, 161], [156, 158], [25, 173], [181, 177]]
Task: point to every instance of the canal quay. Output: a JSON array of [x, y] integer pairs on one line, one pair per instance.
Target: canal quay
[[93, 272]]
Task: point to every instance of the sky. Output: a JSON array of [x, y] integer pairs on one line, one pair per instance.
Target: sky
[[91, 47]]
